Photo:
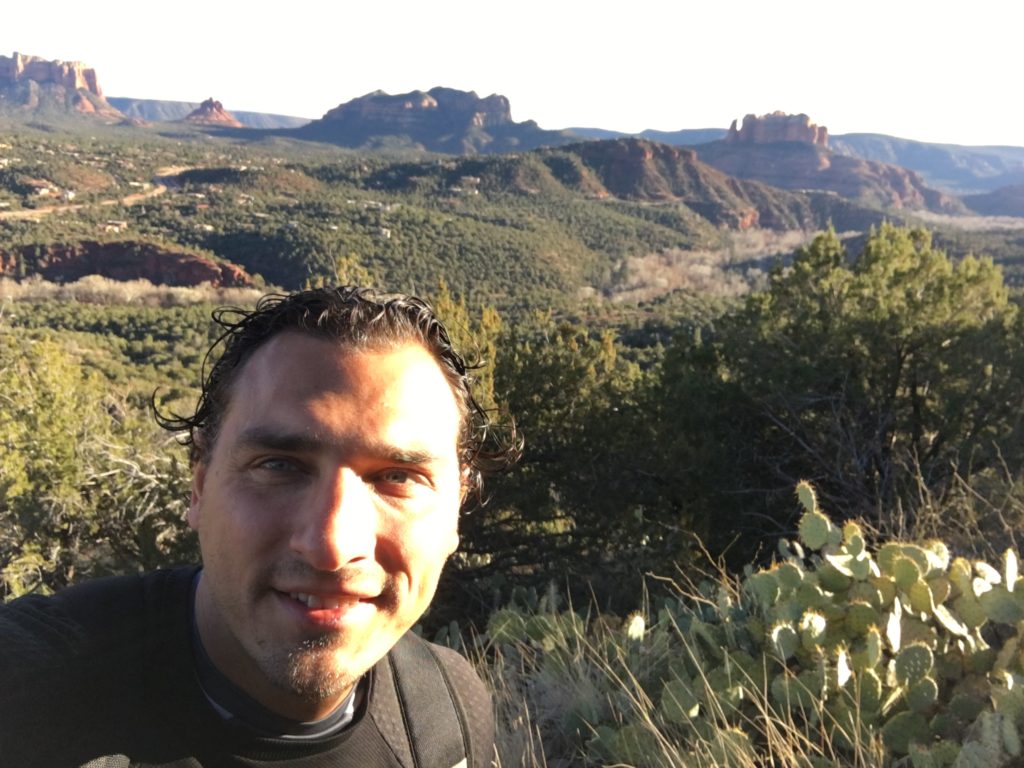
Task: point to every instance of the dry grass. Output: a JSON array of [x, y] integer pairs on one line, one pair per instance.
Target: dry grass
[[94, 289], [588, 694], [727, 273]]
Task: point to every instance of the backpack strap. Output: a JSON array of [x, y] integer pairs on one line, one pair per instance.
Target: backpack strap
[[434, 723]]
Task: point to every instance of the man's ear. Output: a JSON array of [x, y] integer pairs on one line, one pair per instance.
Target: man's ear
[[198, 479], [465, 485]]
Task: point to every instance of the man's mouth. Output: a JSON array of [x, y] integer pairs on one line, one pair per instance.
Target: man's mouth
[[324, 602]]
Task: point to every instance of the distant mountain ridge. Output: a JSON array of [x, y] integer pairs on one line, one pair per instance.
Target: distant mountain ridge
[[950, 168], [953, 167], [158, 111], [787, 151]]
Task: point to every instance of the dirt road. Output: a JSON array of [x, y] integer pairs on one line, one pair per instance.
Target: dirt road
[[163, 179]]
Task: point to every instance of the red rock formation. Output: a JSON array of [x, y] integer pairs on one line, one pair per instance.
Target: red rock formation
[[212, 112], [71, 76], [67, 262], [776, 127]]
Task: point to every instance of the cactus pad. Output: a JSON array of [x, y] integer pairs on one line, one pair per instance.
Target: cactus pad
[[904, 729], [807, 497], [913, 663], [905, 572], [785, 640], [1010, 569], [814, 529], [923, 695], [812, 630], [679, 704]]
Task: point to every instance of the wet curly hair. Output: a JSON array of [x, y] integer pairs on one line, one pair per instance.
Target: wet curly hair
[[352, 317]]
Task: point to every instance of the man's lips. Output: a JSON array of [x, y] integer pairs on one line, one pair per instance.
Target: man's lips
[[324, 597], [324, 602], [326, 610]]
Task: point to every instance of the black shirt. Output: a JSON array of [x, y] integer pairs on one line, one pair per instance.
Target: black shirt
[[104, 672]]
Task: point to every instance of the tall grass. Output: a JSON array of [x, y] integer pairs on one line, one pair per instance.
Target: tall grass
[[576, 690]]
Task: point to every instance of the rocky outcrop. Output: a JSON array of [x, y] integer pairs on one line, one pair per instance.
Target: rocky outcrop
[[128, 260], [638, 169], [31, 83], [777, 127], [212, 112], [409, 110], [69, 74], [439, 120]]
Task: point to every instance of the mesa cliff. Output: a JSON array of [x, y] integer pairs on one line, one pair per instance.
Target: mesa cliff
[[408, 110], [776, 127], [31, 83], [438, 120], [70, 74]]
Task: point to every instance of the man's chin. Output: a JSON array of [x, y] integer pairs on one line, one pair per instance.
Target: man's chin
[[315, 673]]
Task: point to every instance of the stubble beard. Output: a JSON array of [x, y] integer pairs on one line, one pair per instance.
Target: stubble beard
[[312, 671]]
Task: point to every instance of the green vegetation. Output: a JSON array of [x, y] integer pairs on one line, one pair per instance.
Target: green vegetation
[[516, 231], [86, 488]]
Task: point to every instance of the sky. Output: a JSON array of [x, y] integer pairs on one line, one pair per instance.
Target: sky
[[933, 71]]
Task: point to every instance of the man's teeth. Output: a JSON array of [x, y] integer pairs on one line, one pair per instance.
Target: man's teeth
[[316, 602]]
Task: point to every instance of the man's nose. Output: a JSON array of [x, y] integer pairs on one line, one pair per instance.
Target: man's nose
[[339, 525]]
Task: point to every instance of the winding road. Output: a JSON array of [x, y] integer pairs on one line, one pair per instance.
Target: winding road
[[163, 179]]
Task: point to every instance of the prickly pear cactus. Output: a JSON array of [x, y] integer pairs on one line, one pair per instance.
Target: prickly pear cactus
[[881, 648], [897, 635], [902, 631]]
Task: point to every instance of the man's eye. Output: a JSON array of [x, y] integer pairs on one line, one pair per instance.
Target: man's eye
[[395, 476], [277, 465]]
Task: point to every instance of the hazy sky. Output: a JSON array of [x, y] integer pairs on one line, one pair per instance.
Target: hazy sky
[[930, 71]]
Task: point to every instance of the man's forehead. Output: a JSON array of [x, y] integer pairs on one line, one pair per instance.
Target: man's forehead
[[404, 377]]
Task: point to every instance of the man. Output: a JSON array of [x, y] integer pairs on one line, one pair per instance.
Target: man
[[334, 442]]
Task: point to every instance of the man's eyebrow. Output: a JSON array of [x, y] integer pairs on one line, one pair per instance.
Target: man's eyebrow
[[292, 442]]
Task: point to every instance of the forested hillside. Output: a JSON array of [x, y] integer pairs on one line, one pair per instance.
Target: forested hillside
[[546, 228]]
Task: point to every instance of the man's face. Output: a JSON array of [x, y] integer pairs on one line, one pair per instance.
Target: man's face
[[325, 509]]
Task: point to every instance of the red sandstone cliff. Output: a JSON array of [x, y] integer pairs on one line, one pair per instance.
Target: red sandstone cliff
[[66, 262], [776, 127], [70, 74], [68, 84]]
